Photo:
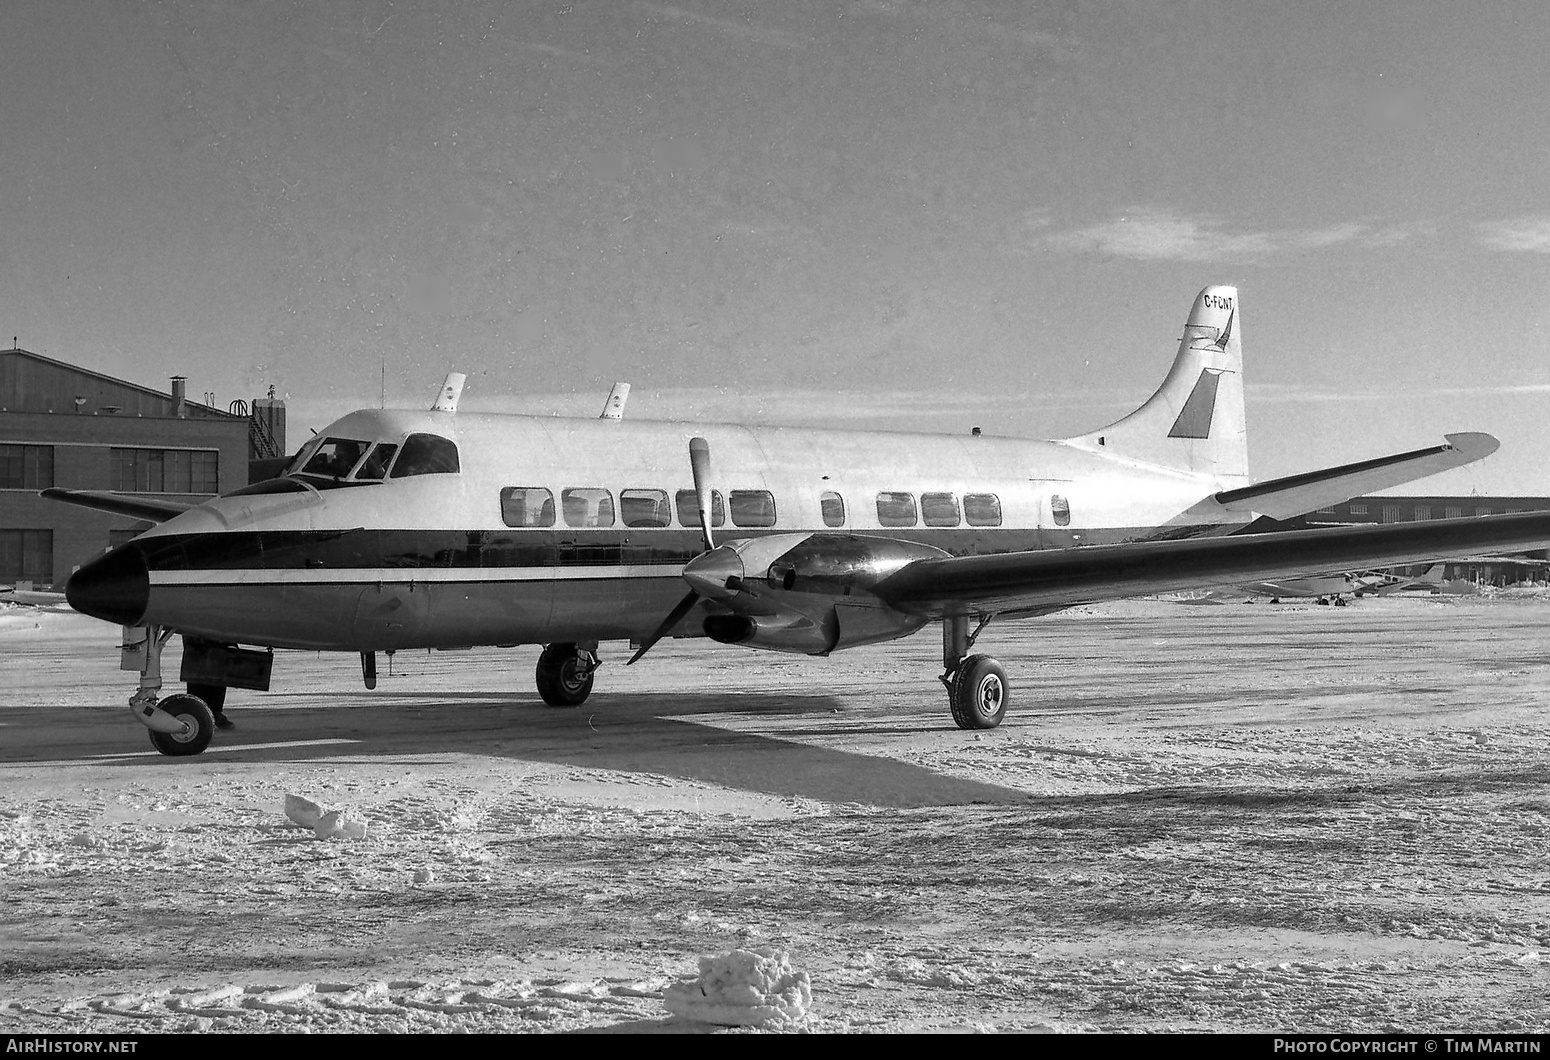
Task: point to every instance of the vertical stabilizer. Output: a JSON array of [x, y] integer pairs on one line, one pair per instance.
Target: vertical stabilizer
[[1195, 421]]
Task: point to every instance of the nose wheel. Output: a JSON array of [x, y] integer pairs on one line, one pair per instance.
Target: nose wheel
[[198, 726]]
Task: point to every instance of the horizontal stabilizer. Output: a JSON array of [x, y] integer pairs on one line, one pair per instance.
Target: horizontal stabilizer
[[1282, 498], [119, 504], [1057, 578]]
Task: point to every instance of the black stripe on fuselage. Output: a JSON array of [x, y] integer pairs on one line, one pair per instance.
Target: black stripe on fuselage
[[487, 549]]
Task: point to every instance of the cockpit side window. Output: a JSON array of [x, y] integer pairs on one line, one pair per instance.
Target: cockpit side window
[[335, 457], [426, 454], [375, 466]]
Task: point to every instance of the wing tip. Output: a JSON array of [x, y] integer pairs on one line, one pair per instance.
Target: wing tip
[[1473, 444]]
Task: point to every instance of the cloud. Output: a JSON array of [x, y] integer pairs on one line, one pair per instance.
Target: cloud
[[1162, 235], [1297, 393], [732, 27], [1531, 233]]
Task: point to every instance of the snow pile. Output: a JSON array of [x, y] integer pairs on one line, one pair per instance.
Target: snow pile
[[742, 989], [327, 824]]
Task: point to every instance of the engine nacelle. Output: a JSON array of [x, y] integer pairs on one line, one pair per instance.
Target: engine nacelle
[[811, 597]]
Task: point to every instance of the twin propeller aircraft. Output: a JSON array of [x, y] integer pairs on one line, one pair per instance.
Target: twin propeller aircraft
[[400, 529]]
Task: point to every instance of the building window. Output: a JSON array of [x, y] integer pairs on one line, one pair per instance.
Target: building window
[[833, 506], [1422, 513], [1482, 511], [26, 467], [1391, 513], [27, 556], [752, 507], [939, 509], [122, 537], [982, 509], [1060, 508], [896, 509], [1452, 512], [527, 506], [165, 470], [689, 508], [1358, 509], [1326, 511]]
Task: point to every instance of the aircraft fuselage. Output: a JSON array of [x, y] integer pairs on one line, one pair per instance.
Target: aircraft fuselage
[[432, 560]]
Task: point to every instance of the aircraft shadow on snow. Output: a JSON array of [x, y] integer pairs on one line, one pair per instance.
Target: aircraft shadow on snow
[[649, 733]]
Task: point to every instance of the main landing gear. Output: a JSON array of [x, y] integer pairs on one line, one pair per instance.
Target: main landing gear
[[565, 673], [977, 689], [181, 724]]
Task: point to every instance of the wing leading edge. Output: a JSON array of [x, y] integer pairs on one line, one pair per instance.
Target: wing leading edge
[[1057, 578]]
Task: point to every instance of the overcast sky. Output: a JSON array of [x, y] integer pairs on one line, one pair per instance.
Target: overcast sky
[[894, 214]]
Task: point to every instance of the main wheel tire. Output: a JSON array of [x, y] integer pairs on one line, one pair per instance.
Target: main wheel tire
[[980, 693], [563, 679], [189, 708]]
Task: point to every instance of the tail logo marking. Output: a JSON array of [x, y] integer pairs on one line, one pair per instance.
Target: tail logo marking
[[1195, 418], [1221, 340]]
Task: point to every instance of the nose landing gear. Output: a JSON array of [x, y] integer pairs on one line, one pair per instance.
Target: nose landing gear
[[180, 724]]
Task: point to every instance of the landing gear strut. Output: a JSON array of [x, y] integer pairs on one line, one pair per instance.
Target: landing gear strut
[[976, 685], [180, 724], [565, 673]]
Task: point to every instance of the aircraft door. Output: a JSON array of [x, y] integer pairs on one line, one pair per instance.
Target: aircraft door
[[391, 615]]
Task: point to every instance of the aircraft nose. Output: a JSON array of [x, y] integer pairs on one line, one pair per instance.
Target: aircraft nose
[[115, 588]]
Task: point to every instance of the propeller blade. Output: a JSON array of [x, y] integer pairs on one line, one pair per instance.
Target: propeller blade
[[699, 465], [673, 618]]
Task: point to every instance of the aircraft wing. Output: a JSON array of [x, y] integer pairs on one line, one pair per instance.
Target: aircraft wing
[[119, 503], [1052, 579], [1282, 498]]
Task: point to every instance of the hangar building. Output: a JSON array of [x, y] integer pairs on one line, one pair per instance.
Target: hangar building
[[66, 426], [1488, 570]]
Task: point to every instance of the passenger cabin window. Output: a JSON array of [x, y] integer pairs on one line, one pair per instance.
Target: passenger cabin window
[[939, 509], [375, 466], [833, 506], [982, 509], [426, 454], [689, 508], [527, 506], [645, 508], [896, 509], [585, 506], [1060, 509], [752, 507], [335, 457]]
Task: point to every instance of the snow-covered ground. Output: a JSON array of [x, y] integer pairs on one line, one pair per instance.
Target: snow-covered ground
[[1233, 817]]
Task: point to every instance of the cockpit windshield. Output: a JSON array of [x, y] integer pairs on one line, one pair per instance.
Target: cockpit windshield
[[346, 461], [335, 458], [426, 454], [375, 466]]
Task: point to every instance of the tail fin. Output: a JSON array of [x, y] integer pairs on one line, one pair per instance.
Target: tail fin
[[1195, 421]]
